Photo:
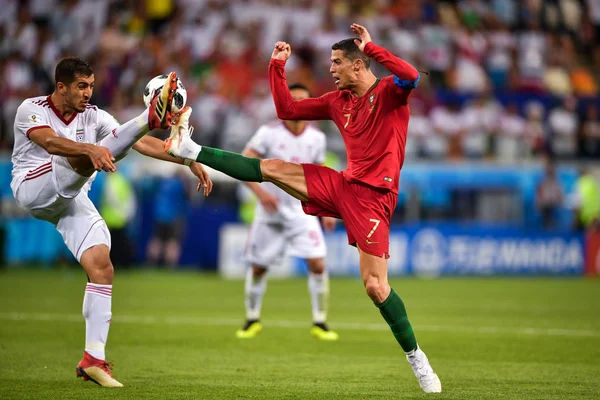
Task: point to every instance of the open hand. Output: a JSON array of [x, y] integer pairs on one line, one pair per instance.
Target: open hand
[[203, 178], [363, 34], [282, 51]]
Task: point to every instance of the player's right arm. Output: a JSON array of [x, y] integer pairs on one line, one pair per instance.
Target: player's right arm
[[100, 156], [288, 108], [30, 121]]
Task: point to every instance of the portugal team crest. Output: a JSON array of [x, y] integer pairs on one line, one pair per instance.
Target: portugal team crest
[[79, 135], [372, 101]]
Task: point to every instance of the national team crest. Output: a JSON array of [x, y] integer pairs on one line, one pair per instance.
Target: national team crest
[[372, 101], [79, 135]]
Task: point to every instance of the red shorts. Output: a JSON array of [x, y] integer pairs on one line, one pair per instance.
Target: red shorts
[[365, 210]]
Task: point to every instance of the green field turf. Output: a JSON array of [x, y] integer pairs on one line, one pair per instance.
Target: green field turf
[[172, 337]]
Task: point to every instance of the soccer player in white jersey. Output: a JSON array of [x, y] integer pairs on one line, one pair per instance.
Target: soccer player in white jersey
[[280, 222], [60, 143]]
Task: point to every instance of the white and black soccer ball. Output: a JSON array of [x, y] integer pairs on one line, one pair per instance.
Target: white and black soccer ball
[[156, 84]]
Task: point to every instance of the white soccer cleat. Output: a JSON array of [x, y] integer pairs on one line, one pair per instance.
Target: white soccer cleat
[[180, 143], [428, 380]]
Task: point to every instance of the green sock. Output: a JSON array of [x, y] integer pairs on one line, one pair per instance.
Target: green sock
[[393, 311], [233, 164]]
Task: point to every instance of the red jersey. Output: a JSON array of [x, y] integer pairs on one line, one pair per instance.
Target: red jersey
[[373, 126]]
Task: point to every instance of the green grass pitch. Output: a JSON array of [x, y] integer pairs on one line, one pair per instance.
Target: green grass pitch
[[173, 337]]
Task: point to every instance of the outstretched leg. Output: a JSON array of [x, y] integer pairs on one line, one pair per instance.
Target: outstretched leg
[[286, 175]]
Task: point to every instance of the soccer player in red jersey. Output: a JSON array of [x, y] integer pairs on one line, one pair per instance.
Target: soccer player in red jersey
[[372, 115]]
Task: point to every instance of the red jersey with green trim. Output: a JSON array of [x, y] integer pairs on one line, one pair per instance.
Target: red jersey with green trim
[[373, 126]]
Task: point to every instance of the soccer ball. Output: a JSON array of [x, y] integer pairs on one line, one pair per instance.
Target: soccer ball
[[156, 84]]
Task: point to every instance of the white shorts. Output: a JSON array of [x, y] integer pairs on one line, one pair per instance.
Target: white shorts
[[268, 241], [53, 192]]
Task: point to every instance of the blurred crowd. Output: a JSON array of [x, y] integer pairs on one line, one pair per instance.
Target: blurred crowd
[[501, 79]]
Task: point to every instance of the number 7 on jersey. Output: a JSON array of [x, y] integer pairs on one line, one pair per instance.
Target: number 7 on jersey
[[347, 119]]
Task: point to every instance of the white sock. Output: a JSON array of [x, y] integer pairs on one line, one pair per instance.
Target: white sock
[[411, 354], [191, 150], [255, 290], [97, 314], [318, 287], [125, 136]]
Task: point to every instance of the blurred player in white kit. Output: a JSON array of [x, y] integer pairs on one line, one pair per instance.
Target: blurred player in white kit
[[60, 143], [281, 223]]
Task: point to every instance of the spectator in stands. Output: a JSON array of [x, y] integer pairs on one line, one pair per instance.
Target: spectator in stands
[[422, 138], [556, 78], [499, 59], [549, 196], [448, 125], [468, 75], [536, 138], [475, 117], [583, 82], [590, 132], [510, 136], [532, 52], [437, 52], [563, 122]]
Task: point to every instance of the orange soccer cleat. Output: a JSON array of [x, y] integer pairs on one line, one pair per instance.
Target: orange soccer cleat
[[97, 371], [160, 114]]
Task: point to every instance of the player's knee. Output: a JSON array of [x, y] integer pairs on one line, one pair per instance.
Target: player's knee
[[316, 266], [258, 271], [103, 272], [376, 289]]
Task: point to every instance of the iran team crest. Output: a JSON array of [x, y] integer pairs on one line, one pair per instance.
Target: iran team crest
[[79, 135]]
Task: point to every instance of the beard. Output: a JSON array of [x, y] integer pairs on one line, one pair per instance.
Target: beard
[[77, 104]]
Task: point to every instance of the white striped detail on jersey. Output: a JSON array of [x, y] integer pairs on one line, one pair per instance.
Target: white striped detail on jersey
[[43, 103]]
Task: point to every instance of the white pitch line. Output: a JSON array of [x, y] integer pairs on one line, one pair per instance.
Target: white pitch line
[[355, 326]]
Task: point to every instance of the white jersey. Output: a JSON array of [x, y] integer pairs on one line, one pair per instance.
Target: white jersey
[[274, 140], [90, 126]]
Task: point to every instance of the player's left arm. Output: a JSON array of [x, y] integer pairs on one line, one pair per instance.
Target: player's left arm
[[406, 77], [153, 147]]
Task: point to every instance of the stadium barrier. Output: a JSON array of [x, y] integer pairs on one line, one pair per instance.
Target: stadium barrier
[[435, 250]]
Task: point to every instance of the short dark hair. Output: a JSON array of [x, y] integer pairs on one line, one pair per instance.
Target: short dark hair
[[352, 51], [299, 86], [69, 68]]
